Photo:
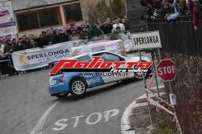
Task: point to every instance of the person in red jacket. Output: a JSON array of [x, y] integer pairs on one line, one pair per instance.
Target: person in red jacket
[[195, 11]]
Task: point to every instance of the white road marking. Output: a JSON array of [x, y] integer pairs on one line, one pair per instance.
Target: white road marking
[[77, 118], [39, 126], [61, 124], [125, 123], [110, 113], [90, 119], [97, 115]]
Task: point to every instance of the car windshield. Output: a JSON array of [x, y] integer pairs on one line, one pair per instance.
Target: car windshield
[[110, 57], [84, 58]]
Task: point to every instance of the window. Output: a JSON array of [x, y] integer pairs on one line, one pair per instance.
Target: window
[[110, 57], [84, 58], [72, 12], [49, 17], [27, 21], [39, 19]]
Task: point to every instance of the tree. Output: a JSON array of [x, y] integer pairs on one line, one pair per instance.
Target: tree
[[102, 10], [118, 8]]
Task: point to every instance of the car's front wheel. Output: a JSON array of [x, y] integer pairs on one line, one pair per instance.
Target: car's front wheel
[[78, 87]]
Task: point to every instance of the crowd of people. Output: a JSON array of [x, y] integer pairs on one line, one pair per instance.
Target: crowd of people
[[162, 10], [72, 31], [171, 10], [57, 35]]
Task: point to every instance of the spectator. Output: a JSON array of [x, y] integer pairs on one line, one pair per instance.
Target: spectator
[[32, 39], [170, 11], [106, 27], [5, 54], [50, 36], [85, 27], [62, 37], [116, 34], [43, 41], [157, 10], [126, 23], [20, 45], [2, 49], [95, 31], [117, 23], [194, 7]]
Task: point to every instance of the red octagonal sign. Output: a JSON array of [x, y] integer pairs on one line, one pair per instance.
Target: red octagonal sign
[[166, 70]]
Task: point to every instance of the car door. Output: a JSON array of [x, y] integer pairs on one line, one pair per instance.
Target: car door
[[111, 76], [92, 78]]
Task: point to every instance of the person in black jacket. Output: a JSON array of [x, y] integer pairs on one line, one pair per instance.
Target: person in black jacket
[[106, 27]]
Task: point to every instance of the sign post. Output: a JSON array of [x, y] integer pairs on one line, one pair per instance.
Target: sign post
[[166, 70], [146, 41]]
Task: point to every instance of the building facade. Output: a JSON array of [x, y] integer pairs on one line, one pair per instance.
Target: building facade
[[36, 15]]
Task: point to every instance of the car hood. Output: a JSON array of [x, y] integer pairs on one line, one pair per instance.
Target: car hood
[[137, 58]]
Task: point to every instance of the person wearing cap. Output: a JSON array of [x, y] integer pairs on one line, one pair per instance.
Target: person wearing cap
[[117, 23]]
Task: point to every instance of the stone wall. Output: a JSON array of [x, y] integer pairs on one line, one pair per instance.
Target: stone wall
[[184, 45], [188, 88]]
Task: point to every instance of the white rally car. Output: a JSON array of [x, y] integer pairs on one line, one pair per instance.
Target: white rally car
[[77, 83]]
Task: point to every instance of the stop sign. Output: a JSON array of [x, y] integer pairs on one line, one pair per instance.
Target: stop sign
[[166, 70]]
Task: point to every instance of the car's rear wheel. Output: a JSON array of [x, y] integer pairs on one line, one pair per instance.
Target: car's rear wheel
[[78, 87]]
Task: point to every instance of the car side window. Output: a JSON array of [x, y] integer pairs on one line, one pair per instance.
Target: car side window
[[84, 58], [109, 57]]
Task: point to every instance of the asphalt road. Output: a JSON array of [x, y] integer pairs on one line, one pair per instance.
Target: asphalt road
[[25, 107]]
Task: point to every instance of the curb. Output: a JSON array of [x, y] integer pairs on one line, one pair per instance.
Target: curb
[[138, 103]]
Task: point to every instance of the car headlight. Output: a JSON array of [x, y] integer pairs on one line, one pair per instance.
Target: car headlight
[[52, 82]]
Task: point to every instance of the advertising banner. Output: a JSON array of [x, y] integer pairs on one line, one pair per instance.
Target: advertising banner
[[115, 46], [39, 57], [8, 25]]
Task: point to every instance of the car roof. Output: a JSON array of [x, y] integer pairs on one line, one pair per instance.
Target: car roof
[[91, 53]]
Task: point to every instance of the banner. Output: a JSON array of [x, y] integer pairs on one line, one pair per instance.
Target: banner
[[40, 57], [115, 46], [147, 40], [8, 25]]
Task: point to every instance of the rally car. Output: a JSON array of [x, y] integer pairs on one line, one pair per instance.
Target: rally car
[[77, 83]]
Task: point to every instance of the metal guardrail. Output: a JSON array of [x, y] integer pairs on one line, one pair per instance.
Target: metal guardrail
[[6, 64], [7, 60]]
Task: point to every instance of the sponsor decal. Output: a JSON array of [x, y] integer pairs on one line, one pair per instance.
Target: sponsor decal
[[98, 65]]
